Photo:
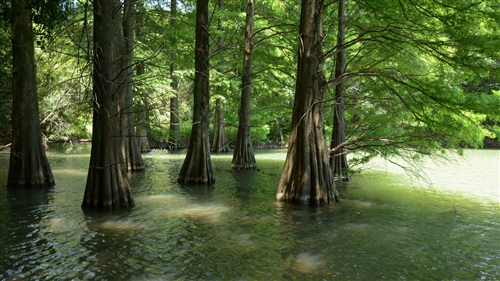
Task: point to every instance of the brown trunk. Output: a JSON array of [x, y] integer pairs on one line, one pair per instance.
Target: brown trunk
[[107, 187], [142, 134], [219, 140], [219, 143], [307, 176], [132, 153], [197, 166], [29, 166], [143, 129], [338, 160], [175, 127], [243, 157], [220, 41]]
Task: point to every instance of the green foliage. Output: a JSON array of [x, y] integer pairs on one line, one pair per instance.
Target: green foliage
[[64, 81], [407, 63], [484, 97], [47, 16], [421, 75]]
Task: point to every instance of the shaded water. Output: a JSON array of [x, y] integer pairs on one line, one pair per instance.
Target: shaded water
[[386, 227]]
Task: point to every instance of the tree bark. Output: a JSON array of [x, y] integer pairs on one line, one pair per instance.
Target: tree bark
[[197, 166], [243, 157], [132, 153], [307, 176], [107, 187], [338, 161], [29, 166], [219, 142], [221, 39], [175, 126], [144, 125]]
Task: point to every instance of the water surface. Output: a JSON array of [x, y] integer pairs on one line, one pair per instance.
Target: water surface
[[387, 226]]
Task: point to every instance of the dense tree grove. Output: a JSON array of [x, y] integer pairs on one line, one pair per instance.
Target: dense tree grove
[[370, 78]]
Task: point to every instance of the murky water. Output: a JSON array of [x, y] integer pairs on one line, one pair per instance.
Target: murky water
[[386, 227]]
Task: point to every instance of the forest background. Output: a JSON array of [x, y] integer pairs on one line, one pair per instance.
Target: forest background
[[419, 77]]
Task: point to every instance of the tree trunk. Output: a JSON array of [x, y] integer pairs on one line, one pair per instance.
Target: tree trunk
[[338, 161], [143, 140], [144, 125], [307, 176], [175, 126], [243, 157], [221, 39], [107, 187], [219, 140], [132, 153], [197, 166], [219, 143], [28, 166]]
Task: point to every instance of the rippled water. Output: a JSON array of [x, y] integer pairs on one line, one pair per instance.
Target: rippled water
[[386, 227]]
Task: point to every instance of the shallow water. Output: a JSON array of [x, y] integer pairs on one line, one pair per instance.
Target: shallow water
[[386, 226]]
